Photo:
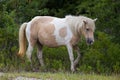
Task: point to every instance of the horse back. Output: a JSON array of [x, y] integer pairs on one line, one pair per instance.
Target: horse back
[[50, 31]]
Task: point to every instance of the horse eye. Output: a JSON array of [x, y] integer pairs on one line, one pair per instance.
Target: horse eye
[[87, 29]]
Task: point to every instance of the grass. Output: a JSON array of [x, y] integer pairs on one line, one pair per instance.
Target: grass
[[58, 76]]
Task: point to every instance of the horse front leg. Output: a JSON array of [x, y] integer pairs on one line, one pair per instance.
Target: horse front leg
[[78, 57], [71, 56]]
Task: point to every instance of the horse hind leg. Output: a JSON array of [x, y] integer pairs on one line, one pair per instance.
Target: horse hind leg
[[31, 43], [40, 55], [29, 52]]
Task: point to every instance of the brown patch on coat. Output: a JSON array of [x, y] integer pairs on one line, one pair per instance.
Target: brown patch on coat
[[42, 19], [63, 32], [46, 35], [74, 40], [38, 26]]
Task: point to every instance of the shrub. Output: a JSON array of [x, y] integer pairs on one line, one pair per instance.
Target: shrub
[[102, 56]]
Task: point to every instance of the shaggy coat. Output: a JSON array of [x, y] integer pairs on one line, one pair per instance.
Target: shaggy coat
[[54, 32]]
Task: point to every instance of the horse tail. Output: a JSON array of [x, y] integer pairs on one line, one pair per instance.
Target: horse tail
[[22, 40]]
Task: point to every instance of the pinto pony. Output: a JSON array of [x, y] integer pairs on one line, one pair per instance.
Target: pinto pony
[[55, 32]]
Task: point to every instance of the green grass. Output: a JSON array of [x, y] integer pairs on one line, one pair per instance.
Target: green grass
[[59, 76]]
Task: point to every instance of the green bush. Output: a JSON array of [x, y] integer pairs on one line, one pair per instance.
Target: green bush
[[8, 39], [103, 56], [56, 58]]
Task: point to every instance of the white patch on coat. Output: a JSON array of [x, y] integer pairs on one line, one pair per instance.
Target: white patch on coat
[[28, 30], [61, 23], [30, 47]]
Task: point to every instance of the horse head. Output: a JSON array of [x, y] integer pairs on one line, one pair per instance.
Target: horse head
[[88, 29]]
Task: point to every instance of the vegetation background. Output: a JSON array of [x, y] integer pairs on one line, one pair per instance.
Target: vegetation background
[[102, 57]]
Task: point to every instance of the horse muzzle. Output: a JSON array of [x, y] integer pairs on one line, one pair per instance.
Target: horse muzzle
[[90, 41]]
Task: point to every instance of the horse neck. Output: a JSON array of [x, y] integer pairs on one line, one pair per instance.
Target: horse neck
[[72, 26]]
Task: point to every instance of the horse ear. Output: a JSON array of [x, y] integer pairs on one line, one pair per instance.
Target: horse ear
[[85, 21], [95, 20]]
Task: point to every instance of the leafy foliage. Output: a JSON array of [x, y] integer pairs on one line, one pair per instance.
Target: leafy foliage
[[102, 57]]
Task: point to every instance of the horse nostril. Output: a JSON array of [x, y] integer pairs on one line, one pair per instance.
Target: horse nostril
[[90, 41]]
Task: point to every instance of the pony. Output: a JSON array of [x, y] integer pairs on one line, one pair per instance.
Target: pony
[[54, 32]]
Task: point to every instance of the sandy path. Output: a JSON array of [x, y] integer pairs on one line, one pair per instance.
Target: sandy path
[[1, 73], [20, 77], [25, 78]]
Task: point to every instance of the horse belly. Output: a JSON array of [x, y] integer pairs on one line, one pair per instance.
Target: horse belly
[[46, 36], [48, 40]]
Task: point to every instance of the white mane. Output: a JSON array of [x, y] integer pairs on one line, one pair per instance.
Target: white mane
[[76, 23]]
